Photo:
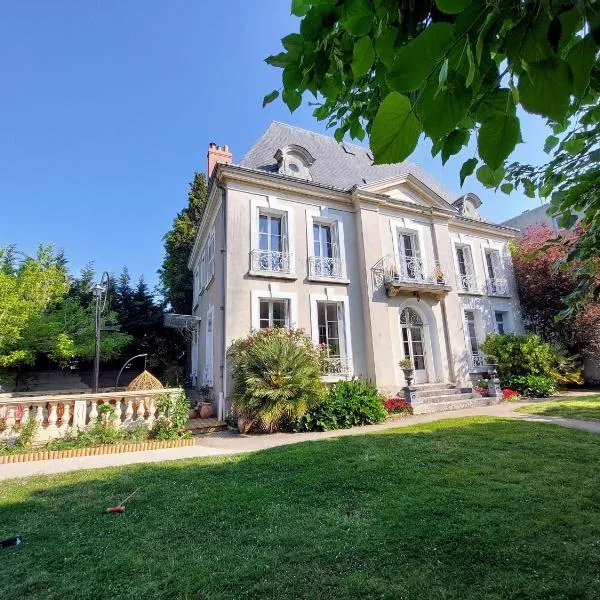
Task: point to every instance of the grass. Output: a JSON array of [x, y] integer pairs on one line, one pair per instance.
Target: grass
[[457, 509], [585, 409]]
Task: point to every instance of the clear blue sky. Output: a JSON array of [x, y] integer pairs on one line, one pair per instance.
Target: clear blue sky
[[107, 109]]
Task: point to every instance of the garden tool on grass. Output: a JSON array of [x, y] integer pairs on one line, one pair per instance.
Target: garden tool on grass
[[120, 508]]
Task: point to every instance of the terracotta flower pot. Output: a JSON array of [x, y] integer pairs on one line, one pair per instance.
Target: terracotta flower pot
[[206, 410]]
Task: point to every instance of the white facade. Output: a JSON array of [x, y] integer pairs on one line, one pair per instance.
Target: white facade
[[378, 273]]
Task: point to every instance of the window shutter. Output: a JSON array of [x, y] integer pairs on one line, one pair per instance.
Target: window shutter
[[285, 246], [496, 263], [335, 240], [468, 260]]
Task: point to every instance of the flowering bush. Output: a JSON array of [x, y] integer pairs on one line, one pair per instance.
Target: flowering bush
[[510, 394], [398, 405]]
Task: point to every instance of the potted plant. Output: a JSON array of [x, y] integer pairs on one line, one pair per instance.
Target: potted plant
[[440, 277], [407, 367], [205, 407]]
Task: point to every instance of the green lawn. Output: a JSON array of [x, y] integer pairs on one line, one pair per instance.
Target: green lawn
[[461, 508], [585, 408]]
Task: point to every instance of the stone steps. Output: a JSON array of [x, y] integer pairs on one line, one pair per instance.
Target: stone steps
[[422, 408], [450, 397]]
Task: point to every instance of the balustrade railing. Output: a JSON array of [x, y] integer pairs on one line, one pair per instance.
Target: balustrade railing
[[321, 266], [478, 362], [336, 365], [497, 287], [271, 261], [408, 269], [59, 414], [467, 283]]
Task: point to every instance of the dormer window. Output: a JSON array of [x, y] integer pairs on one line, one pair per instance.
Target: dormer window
[[294, 161]]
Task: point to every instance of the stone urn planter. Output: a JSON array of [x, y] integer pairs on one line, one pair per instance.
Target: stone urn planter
[[244, 424], [408, 369], [205, 410]]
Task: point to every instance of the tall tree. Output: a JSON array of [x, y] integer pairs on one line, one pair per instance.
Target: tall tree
[[175, 277], [453, 69], [542, 285]]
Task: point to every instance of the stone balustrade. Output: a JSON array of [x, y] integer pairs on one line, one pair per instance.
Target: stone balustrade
[[60, 414]]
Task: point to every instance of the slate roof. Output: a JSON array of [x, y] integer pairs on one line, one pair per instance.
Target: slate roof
[[338, 165]]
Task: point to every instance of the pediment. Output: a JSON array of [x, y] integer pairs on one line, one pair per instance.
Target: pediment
[[409, 189]]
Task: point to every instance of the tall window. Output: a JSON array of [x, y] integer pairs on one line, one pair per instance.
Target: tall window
[[208, 360], [270, 233], [330, 325], [323, 240], [273, 313], [466, 271], [411, 265], [210, 256], [500, 319], [471, 331], [202, 269], [325, 262]]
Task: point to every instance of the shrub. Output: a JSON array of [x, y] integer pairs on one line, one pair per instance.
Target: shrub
[[510, 394], [398, 405], [276, 376], [533, 386], [347, 404], [526, 355]]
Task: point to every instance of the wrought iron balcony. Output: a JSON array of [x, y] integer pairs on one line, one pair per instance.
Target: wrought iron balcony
[[269, 261], [410, 273], [467, 283], [321, 266], [497, 287], [336, 365], [478, 362]]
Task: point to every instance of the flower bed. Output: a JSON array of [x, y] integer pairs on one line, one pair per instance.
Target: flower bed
[[510, 394], [398, 406]]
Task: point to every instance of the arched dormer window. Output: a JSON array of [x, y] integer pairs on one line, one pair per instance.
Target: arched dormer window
[[294, 161], [468, 206]]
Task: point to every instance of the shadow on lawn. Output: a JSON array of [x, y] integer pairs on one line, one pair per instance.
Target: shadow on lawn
[[458, 508]]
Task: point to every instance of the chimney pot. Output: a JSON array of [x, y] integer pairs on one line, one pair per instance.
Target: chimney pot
[[217, 154]]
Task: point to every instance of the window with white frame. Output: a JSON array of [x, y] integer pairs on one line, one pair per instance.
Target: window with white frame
[[273, 313], [496, 283], [330, 322], [466, 271], [272, 253], [196, 284], [326, 260], [208, 359], [202, 269], [210, 257], [476, 358], [500, 321], [410, 262]]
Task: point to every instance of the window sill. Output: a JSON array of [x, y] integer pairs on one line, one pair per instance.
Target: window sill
[[470, 293], [273, 275], [337, 377], [340, 280], [499, 295]]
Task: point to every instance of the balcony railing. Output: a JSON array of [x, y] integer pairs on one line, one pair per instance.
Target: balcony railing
[[497, 287], [336, 365], [478, 362], [321, 266], [409, 273], [271, 261], [467, 283]]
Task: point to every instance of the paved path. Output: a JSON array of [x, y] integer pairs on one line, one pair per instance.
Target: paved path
[[228, 443]]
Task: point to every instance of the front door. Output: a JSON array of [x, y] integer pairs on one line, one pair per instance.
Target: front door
[[413, 342]]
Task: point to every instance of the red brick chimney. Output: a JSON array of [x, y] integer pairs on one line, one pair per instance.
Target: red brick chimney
[[215, 155]]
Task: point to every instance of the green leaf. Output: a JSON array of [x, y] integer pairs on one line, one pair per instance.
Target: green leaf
[[395, 131], [385, 45], [453, 143], [357, 17], [418, 59], [492, 15], [507, 188], [574, 145], [300, 7], [467, 169], [489, 178], [443, 76], [550, 142], [581, 59], [291, 77], [499, 102], [545, 88], [280, 60], [497, 138], [270, 97], [441, 113], [472, 66], [452, 7], [356, 130], [292, 98], [362, 56]]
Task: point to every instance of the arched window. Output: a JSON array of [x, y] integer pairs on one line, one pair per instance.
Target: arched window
[[410, 316]]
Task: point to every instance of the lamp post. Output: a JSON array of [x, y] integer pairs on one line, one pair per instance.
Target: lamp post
[[125, 365], [100, 293]]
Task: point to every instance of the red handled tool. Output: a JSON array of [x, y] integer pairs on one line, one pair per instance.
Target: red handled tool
[[120, 508]]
